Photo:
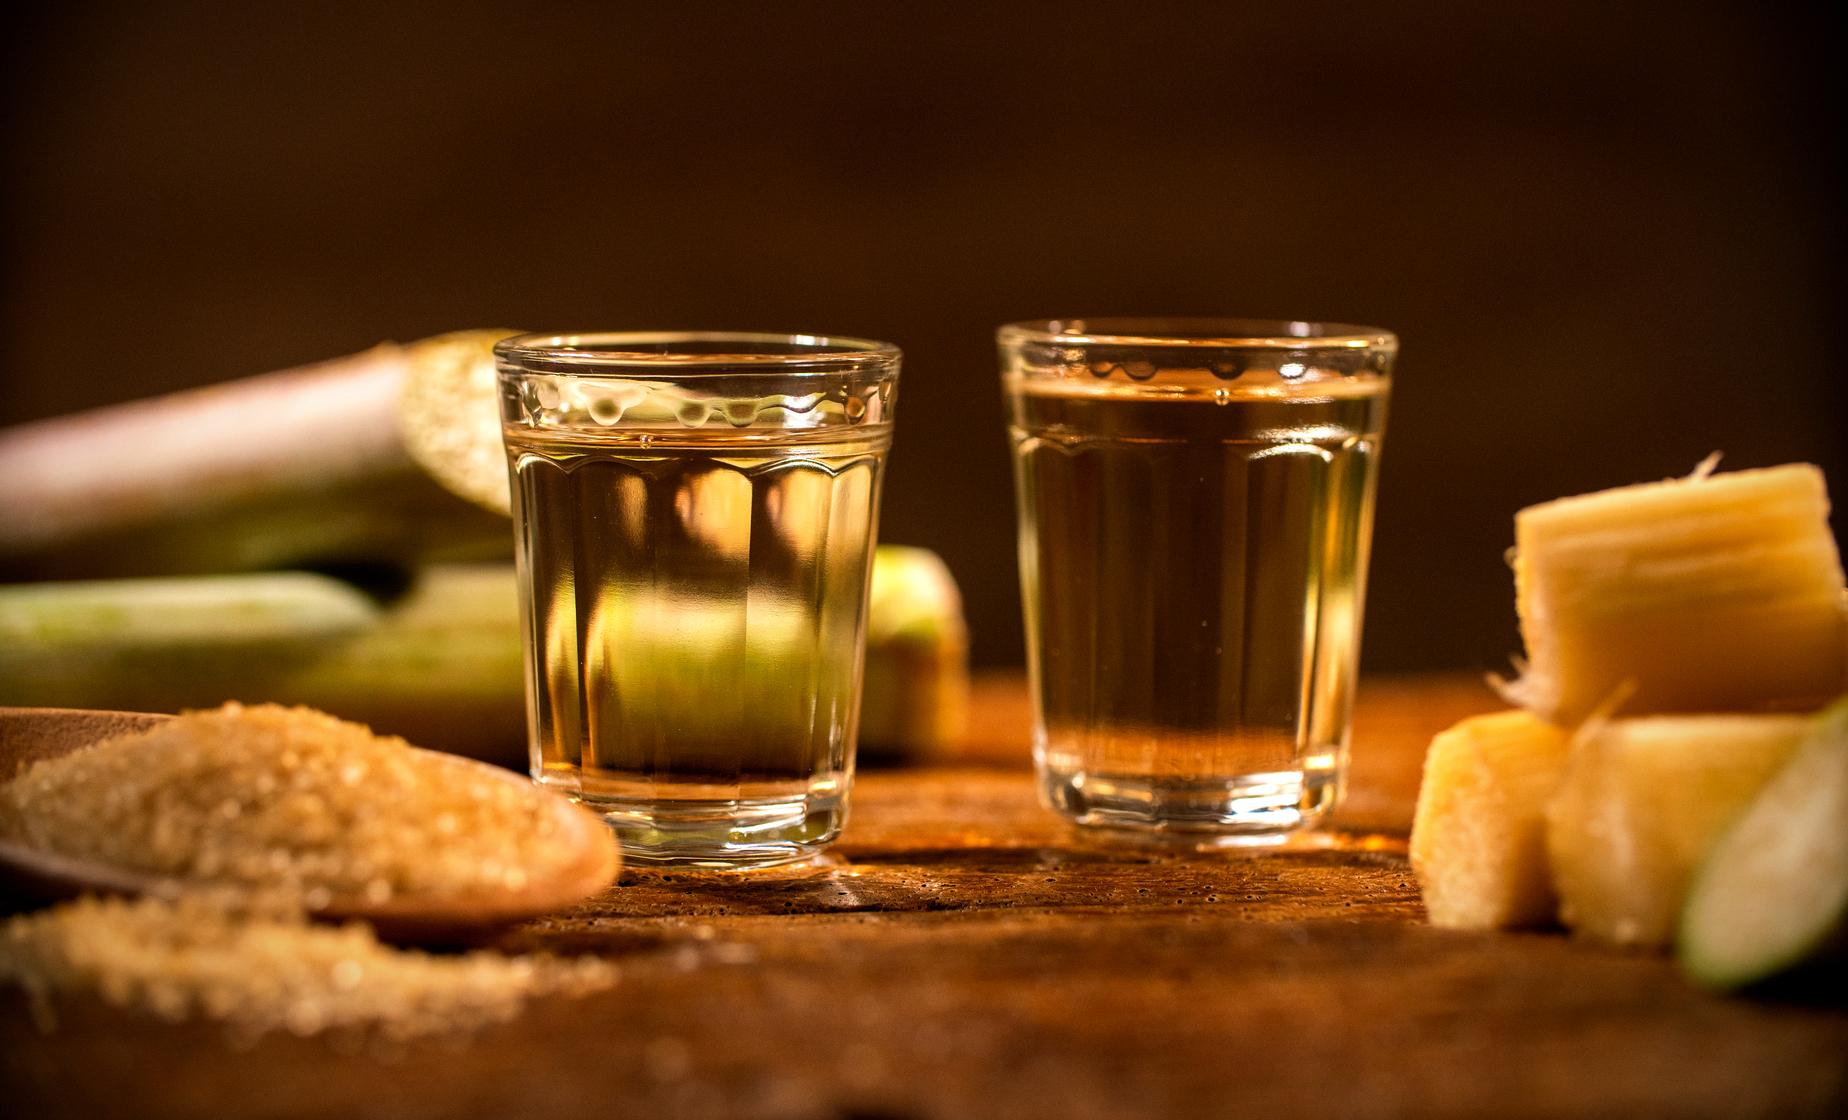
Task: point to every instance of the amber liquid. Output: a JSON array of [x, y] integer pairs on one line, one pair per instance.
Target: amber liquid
[[1193, 564], [694, 604]]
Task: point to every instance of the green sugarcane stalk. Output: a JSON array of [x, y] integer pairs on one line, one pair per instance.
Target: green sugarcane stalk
[[439, 662]]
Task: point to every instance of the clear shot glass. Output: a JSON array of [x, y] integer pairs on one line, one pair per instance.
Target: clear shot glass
[[695, 515], [1195, 508]]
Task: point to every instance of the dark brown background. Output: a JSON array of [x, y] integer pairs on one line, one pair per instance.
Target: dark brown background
[[1606, 232]]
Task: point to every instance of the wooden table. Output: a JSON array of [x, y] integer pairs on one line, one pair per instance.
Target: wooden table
[[972, 956]]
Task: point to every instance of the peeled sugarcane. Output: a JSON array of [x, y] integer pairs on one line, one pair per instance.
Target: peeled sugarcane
[[1708, 613], [1479, 836], [1711, 593], [378, 457], [438, 662], [1641, 802]]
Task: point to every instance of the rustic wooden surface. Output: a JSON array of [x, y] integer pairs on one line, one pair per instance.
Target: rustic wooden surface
[[968, 955]]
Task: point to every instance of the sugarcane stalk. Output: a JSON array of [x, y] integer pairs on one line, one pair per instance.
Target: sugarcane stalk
[[356, 460], [439, 661]]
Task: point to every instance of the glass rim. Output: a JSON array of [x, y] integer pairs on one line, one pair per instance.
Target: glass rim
[[1202, 332], [622, 352]]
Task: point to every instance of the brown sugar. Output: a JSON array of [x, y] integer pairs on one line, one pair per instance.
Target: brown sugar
[[285, 800]]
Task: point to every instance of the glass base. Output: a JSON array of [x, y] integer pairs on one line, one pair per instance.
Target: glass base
[[1239, 809], [723, 835]]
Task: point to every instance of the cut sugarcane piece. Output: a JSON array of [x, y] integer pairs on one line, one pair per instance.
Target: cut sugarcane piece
[[1641, 802], [449, 416], [334, 463], [1773, 892], [1478, 840], [1705, 594], [915, 690]]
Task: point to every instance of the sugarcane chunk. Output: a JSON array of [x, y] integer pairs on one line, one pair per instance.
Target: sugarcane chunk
[[1478, 841], [1641, 803], [1706, 594], [1773, 892]]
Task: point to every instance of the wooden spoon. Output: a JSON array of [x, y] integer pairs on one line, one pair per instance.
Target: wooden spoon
[[30, 734]]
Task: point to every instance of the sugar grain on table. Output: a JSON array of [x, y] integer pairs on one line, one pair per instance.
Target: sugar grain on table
[[204, 955]]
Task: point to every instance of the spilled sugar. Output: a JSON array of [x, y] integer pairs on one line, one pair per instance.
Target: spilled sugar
[[264, 967], [288, 800]]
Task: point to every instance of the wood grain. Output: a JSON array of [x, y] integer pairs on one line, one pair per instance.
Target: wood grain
[[966, 954]]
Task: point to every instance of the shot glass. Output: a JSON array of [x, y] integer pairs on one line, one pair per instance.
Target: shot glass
[[695, 516], [1195, 509]]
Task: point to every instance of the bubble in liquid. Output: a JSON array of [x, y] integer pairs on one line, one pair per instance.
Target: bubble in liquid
[[1139, 370], [740, 413], [605, 410], [854, 407], [1227, 368], [1222, 396], [693, 413]]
